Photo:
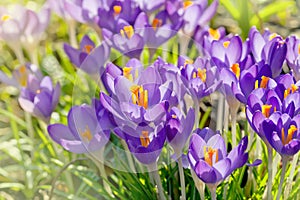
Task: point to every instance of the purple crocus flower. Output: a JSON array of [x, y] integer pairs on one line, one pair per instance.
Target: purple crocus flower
[[197, 13], [150, 6], [142, 102], [88, 57], [292, 55], [145, 143], [201, 76], [179, 128], [157, 32], [39, 97], [268, 48], [283, 134], [84, 133], [209, 159]]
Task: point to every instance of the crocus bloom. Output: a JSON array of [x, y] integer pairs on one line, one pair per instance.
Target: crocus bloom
[[209, 159], [292, 56], [145, 144], [141, 102], [39, 97], [179, 128], [283, 134], [197, 13], [201, 76], [84, 133], [88, 57]]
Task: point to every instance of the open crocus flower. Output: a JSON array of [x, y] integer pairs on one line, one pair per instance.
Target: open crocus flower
[[145, 143], [201, 76], [39, 97], [142, 102], [179, 128], [292, 56], [88, 57], [208, 157], [84, 133], [283, 134]]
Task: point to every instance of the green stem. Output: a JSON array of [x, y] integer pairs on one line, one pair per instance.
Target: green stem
[[154, 171], [233, 128], [199, 185], [128, 155], [72, 33], [220, 111], [30, 130], [182, 181], [270, 172], [283, 170], [212, 189], [291, 176]]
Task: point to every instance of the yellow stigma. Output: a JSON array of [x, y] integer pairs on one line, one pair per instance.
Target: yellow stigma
[[144, 138], [214, 33], [226, 44], [5, 17], [188, 62], [236, 69], [87, 134], [88, 48], [174, 116], [272, 36], [266, 110], [208, 155], [290, 134], [139, 96], [117, 9], [127, 73], [290, 90], [187, 4], [127, 31], [156, 23]]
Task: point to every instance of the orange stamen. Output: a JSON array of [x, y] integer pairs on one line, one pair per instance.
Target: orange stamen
[[266, 110], [290, 134], [87, 134], [236, 69], [202, 74], [156, 23], [88, 48], [264, 81], [117, 9], [144, 138], [208, 155], [128, 31], [187, 4], [139, 96]]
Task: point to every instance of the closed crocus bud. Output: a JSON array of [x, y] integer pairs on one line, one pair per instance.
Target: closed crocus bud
[[39, 97]]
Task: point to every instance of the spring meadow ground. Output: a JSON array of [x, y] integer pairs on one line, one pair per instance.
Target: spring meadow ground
[[161, 99]]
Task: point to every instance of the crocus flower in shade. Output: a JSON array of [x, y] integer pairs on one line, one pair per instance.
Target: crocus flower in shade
[[283, 134], [292, 55], [88, 57], [145, 144], [197, 13], [39, 97], [201, 76], [179, 128], [84, 133], [268, 48], [149, 6], [208, 157]]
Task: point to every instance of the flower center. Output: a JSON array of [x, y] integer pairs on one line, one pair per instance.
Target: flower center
[[208, 155], [263, 83], [139, 96], [290, 90], [117, 10], [156, 23], [226, 44], [127, 31], [291, 131], [5, 17], [87, 134], [236, 69], [214, 33], [187, 4], [144, 138], [88, 48], [201, 73]]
